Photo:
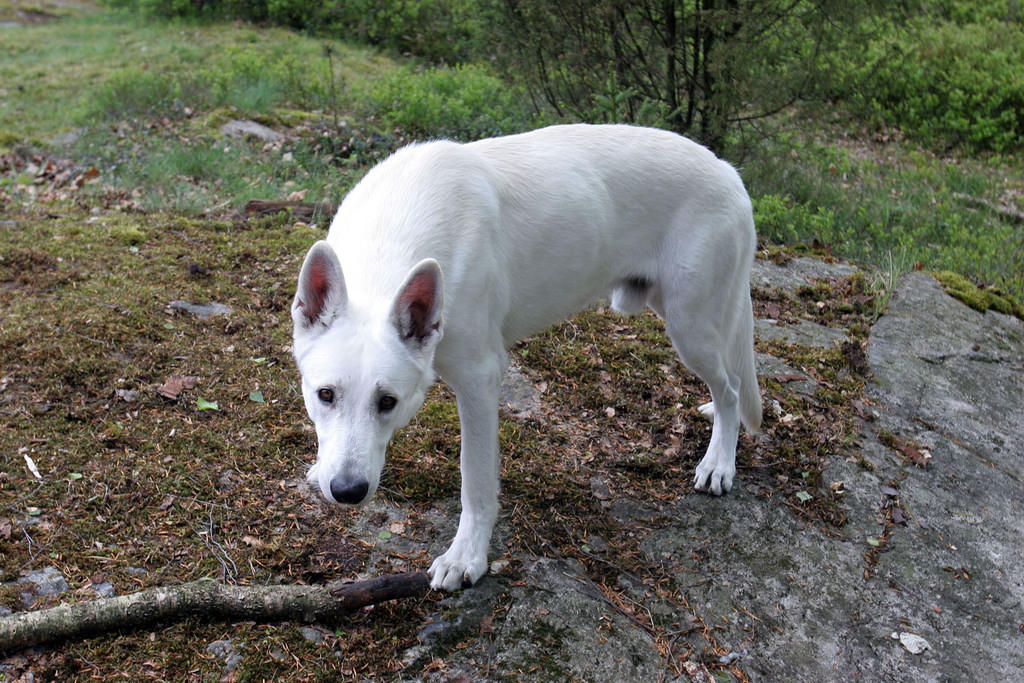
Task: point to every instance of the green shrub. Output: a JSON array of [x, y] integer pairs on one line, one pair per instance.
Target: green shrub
[[945, 83], [787, 222], [436, 29], [463, 103], [134, 91]]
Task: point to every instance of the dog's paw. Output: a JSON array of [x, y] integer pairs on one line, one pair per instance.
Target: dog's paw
[[707, 410], [715, 474], [457, 568]]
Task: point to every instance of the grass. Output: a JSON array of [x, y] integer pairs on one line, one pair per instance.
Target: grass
[[102, 232], [892, 204], [155, 95], [131, 480]]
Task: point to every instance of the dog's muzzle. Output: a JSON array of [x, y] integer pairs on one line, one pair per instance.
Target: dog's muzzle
[[350, 492]]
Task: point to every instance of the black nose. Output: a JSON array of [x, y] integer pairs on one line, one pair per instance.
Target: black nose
[[348, 491]]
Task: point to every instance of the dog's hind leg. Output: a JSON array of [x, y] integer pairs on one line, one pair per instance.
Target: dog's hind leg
[[702, 323], [701, 351], [476, 391]]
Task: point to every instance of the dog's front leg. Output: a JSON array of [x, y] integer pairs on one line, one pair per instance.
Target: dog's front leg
[[466, 559]]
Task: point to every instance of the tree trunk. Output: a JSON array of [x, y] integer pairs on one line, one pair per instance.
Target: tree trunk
[[205, 600]]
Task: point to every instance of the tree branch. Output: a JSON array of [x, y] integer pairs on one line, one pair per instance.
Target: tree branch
[[205, 600]]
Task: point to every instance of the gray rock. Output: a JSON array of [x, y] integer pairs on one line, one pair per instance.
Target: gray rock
[[948, 379], [785, 600], [227, 651], [104, 590], [796, 273], [558, 627], [48, 581], [250, 129], [803, 332], [201, 311], [519, 396], [312, 635]]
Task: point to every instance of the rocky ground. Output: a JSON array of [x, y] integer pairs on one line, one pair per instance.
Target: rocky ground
[[924, 582], [913, 570]]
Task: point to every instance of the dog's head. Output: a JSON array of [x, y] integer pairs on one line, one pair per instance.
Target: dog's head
[[365, 367]]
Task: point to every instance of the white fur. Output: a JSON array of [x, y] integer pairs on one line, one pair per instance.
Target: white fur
[[522, 231]]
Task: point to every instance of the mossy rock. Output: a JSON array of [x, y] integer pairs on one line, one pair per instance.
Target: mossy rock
[[8, 139], [979, 299]]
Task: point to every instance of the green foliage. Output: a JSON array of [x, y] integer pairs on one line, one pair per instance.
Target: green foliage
[[912, 210], [436, 29], [788, 222], [944, 83], [697, 68], [250, 78], [463, 102]]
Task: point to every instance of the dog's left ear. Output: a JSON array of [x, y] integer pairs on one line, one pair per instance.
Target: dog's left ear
[[416, 313]]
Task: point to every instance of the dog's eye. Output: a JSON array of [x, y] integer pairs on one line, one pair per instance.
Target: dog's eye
[[326, 395], [386, 403]]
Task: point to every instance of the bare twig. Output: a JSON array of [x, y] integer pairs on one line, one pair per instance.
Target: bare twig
[[207, 600]]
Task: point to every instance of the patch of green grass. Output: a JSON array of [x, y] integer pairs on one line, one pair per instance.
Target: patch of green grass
[[891, 206], [66, 74]]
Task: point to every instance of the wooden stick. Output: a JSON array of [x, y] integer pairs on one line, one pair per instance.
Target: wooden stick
[[303, 211], [205, 600]]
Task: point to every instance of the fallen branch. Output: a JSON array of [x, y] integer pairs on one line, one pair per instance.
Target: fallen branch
[[1010, 213], [205, 600], [303, 211]]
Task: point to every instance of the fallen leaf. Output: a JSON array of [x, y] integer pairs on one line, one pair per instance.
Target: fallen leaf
[[898, 517], [203, 404], [257, 397], [253, 542], [32, 466], [175, 384]]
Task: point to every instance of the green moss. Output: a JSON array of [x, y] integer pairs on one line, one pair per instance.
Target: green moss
[[8, 139], [979, 299]]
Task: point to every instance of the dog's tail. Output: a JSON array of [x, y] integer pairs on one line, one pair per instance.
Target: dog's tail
[[743, 363]]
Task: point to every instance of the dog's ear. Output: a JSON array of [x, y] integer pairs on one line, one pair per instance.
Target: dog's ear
[[416, 313], [320, 296]]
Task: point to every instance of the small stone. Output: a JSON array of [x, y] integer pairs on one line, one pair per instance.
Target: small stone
[[201, 311], [311, 635], [220, 648], [913, 643], [128, 395], [104, 590], [49, 581], [250, 129]]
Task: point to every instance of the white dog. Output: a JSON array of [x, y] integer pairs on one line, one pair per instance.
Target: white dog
[[446, 253]]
